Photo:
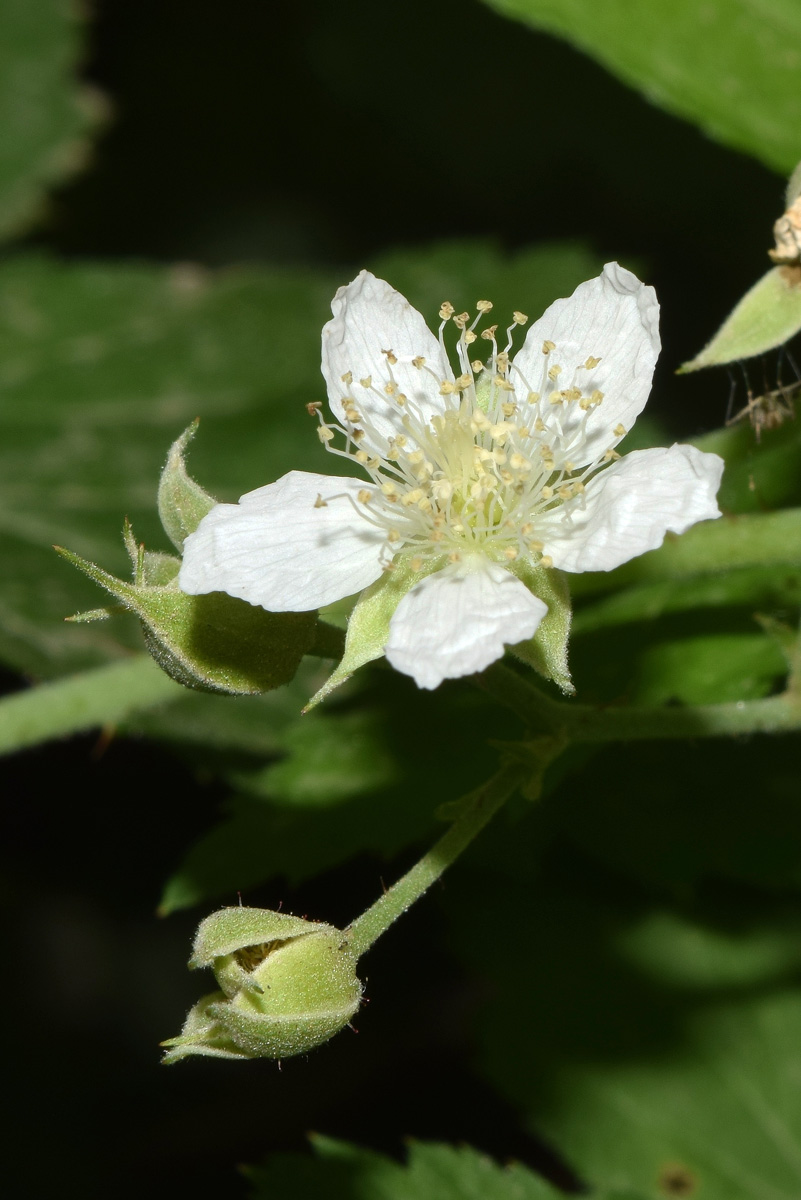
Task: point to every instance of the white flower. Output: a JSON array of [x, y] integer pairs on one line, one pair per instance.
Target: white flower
[[473, 478]]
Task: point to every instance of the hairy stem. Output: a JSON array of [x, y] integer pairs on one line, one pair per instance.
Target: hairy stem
[[591, 723], [103, 696], [479, 808]]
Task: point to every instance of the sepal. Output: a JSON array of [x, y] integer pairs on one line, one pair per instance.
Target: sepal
[[182, 502], [368, 626], [213, 643], [546, 652]]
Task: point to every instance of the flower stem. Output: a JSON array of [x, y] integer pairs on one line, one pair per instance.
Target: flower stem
[[479, 807], [103, 696], [591, 723]]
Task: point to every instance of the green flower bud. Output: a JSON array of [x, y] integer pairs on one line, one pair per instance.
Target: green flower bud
[[286, 986]]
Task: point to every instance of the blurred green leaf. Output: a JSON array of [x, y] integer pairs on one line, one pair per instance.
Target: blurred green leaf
[[729, 66], [657, 1051], [724, 810], [763, 589], [340, 1171], [44, 115], [350, 781], [102, 367]]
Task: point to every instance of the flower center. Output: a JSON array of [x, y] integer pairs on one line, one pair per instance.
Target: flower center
[[476, 477]]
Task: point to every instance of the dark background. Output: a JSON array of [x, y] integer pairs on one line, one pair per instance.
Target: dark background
[[313, 133]]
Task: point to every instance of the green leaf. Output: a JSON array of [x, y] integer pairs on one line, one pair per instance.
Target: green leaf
[[652, 1048], [44, 114], [767, 316], [763, 589], [729, 811], [723, 65], [340, 1171]]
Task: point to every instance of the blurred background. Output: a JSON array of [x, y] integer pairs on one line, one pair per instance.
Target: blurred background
[[318, 136]]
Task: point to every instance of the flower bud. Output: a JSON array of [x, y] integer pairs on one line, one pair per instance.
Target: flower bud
[[286, 986]]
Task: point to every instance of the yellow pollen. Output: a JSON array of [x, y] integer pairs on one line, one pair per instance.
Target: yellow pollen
[[596, 397], [411, 497], [446, 388], [546, 561], [461, 319], [367, 381], [347, 378], [565, 491], [489, 334], [447, 310], [619, 431], [611, 455], [362, 457], [484, 306], [547, 493], [518, 462], [591, 363], [463, 382], [508, 409], [391, 387], [556, 397], [320, 503], [393, 536], [477, 365], [390, 356], [533, 397], [510, 552], [357, 435], [470, 336], [364, 496], [519, 318], [548, 346], [554, 372], [418, 362], [325, 434], [313, 408]]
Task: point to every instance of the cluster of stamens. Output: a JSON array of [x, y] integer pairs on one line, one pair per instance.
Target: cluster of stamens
[[475, 478]]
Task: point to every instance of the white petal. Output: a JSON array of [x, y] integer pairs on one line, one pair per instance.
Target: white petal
[[370, 316], [457, 621], [630, 506], [614, 318], [274, 548]]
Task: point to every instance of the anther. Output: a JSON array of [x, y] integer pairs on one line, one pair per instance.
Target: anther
[[489, 333], [546, 561], [313, 408], [418, 362], [484, 306], [477, 365], [519, 318], [325, 434], [347, 378], [447, 310], [320, 503], [554, 372], [367, 381], [548, 346], [591, 363], [619, 431], [390, 356], [533, 397], [364, 496]]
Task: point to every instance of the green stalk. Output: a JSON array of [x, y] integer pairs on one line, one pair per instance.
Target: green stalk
[[481, 806], [590, 723], [95, 698]]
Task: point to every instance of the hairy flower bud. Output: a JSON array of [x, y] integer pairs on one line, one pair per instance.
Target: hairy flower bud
[[286, 986]]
